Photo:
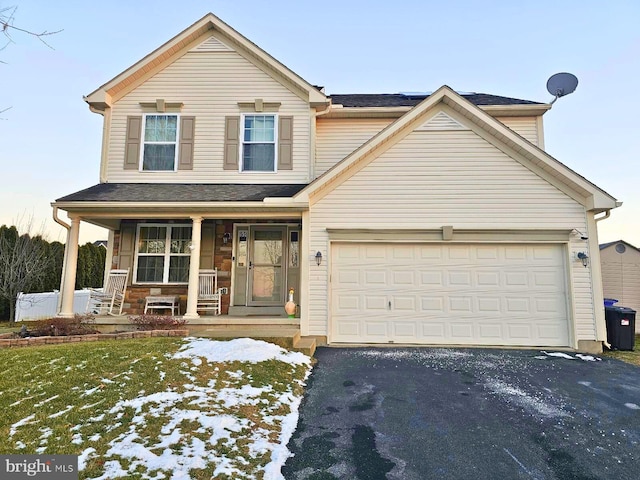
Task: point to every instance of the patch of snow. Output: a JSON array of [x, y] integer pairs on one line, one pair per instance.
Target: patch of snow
[[113, 469], [20, 423], [91, 391], [632, 406], [77, 439], [50, 399], [20, 445], [41, 450], [239, 350], [559, 355], [522, 398], [246, 395], [84, 457], [61, 412], [584, 383], [204, 409], [85, 407], [588, 358]]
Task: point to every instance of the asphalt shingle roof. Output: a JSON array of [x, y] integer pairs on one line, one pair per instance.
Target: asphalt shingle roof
[[180, 192], [409, 100]]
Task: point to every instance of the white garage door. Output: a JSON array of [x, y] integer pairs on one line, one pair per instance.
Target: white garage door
[[461, 294]]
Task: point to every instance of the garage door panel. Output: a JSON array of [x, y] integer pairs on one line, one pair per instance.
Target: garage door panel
[[456, 294]]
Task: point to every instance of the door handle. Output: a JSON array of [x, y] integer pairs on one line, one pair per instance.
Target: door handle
[[389, 304], [250, 265]]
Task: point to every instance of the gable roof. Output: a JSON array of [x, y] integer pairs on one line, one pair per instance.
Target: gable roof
[[538, 161], [168, 52], [606, 245]]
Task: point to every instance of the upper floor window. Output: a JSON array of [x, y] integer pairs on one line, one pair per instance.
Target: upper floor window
[[258, 143], [159, 151], [163, 254]]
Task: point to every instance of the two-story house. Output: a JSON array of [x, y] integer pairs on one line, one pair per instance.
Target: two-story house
[[409, 219]]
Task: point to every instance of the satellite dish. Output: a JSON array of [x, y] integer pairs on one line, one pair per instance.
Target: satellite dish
[[561, 84]]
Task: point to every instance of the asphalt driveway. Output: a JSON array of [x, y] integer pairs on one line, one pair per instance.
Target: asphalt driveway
[[423, 413]]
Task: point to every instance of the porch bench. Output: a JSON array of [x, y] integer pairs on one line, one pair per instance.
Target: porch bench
[[163, 302]]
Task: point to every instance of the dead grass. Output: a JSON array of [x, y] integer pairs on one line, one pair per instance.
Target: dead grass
[[632, 356]]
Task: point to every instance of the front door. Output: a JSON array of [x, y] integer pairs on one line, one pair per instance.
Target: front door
[[266, 266]]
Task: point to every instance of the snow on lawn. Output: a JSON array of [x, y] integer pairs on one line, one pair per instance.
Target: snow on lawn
[[221, 426]]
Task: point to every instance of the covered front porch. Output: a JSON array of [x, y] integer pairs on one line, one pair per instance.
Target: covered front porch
[[256, 246]]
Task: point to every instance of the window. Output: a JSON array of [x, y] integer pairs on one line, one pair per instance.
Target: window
[[258, 143], [163, 253], [160, 142]]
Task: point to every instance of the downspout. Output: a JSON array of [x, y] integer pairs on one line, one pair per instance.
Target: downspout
[[606, 215], [596, 253], [64, 260]]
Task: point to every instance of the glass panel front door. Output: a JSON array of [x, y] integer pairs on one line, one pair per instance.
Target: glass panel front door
[[266, 268]]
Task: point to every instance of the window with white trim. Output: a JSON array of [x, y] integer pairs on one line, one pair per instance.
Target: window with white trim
[[162, 254], [160, 142], [259, 133]]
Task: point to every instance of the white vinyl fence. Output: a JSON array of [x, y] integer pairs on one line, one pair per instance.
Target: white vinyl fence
[[33, 306]]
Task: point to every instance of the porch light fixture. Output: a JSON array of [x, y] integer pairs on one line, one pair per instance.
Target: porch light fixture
[[584, 258], [318, 258], [226, 237]]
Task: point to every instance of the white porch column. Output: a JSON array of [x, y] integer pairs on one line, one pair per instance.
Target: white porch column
[[305, 294], [70, 267], [194, 269]]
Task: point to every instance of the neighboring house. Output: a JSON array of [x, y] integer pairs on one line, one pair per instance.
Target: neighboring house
[[101, 243], [421, 219], [621, 274]]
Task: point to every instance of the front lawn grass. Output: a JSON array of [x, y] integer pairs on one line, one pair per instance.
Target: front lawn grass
[[114, 403], [629, 356]]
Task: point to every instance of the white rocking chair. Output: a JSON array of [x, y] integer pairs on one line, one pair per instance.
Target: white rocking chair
[[111, 297], [208, 293]]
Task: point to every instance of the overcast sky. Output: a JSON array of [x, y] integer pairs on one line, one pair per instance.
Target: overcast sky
[[50, 141]]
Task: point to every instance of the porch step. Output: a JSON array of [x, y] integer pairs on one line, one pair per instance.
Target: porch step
[[285, 336], [306, 345], [277, 311]]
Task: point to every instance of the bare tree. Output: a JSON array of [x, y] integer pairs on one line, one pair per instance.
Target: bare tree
[[8, 27], [24, 263]]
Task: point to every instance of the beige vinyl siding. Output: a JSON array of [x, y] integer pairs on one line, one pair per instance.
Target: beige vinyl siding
[[210, 85], [526, 127], [436, 178], [621, 278], [338, 137]]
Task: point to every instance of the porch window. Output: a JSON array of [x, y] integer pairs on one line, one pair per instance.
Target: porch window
[[163, 253], [258, 143], [159, 151]]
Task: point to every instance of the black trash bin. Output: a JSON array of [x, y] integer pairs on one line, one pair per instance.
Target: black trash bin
[[621, 327]]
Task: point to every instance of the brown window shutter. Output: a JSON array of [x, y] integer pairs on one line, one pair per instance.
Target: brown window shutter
[[132, 144], [207, 245], [231, 143], [187, 133], [285, 143], [126, 249]]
